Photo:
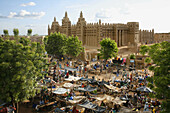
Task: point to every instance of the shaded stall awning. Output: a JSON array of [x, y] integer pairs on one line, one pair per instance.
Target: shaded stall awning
[[117, 100], [61, 91], [68, 85], [101, 83], [92, 81], [88, 88], [116, 89], [85, 79], [92, 106], [77, 99], [70, 69], [144, 89], [72, 78], [105, 97], [99, 109], [88, 105]]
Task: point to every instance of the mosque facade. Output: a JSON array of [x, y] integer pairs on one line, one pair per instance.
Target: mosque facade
[[92, 33]]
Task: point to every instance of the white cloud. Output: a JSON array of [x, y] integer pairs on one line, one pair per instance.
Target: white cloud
[[107, 15], [11, 14], [103, 13], [25, 14], [28, 4]]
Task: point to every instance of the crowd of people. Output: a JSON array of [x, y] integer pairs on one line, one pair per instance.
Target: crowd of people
[[126, 86]]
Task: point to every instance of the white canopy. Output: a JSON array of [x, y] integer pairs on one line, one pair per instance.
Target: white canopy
[[61, 91], [112, 87], [70, 69], [68, 85], [77, 99], [105, 97], [72, 78], [118, 101]]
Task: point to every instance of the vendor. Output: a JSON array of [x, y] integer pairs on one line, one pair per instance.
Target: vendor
[[67, 75], [82, 85]]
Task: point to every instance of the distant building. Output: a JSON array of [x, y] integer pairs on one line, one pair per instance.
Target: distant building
[[92, 33], [146, 36], [160, 37]]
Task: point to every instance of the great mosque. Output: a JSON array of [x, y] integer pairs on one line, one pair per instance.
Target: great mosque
[[92, 33], [127, 36]]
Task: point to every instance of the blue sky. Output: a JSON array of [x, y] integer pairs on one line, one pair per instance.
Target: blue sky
[[37, 14]]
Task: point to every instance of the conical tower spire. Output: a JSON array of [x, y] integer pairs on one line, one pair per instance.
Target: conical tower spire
[[81, 14], [48, 26], [54, 19], [66, 14], [99, 21]]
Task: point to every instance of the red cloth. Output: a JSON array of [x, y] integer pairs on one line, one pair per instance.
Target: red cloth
[[4, 110], [131, 78], [67, 74], [82, 86], [75, 110]]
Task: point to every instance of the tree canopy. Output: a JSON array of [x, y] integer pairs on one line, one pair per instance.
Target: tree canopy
[[148, 60], [56, 44], [108, 48], [5, 32], [160, 55], [144, 49], [29, 32], [132, 56], [16, 32], [74, 46], [20, 66]]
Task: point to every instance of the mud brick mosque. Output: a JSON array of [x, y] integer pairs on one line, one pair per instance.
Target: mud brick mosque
[[127, 36]]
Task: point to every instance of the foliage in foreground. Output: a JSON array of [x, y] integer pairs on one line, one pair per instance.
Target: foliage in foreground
[[144, 49], [21, 64], [160, 55]]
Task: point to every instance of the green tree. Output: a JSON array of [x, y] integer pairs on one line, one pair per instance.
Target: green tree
[[148, 60], [45, 40], [160, 55], [108, 48], [132, 56], [144, 49], [35, 35], [56, 44], [20, 66], [16, 32], [5, 32], [29, 32], [73, 46]]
